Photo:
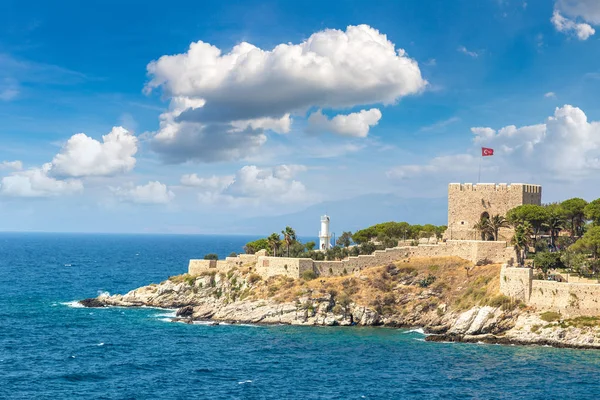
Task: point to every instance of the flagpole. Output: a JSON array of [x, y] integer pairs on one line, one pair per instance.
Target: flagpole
[[479, 174]]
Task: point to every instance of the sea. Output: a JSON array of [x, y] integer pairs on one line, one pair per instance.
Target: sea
[[51, 348]]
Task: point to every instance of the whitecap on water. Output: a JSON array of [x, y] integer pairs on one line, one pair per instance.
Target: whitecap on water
[[243, 382], [73, 304], [416, 330], [103, 293], [100, 344], [419, 339]]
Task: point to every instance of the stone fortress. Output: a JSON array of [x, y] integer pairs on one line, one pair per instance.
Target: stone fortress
[[468, 203]]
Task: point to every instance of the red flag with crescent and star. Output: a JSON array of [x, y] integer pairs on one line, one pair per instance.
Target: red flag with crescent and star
[[485, 151]]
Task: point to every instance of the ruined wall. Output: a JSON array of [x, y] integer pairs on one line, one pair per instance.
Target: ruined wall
[[568, 299], [467, 202]]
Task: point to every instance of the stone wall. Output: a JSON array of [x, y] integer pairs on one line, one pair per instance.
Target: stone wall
[[470, 250], [468, 202], [569, 299], [292, 267], [516, 282]]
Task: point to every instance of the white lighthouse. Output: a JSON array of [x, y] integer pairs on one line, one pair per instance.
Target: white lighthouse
[[324, 235]]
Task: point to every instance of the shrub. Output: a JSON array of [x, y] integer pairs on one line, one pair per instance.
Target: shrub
[[504, 302], [211, 256], [425, 282], [550, 316], [253, 278], [233, 254], [309, 275]]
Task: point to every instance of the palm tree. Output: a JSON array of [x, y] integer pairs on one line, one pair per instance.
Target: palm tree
[[289, 236], [483, 227], [495, 223], [274, 241], [521, 241]]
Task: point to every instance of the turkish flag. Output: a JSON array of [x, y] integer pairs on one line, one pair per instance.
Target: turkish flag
[[486, 152]]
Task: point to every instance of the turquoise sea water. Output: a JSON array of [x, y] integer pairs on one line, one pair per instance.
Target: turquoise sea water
[[52, 350]]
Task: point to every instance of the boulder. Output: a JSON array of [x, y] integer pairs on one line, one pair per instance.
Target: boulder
[[95, 303]]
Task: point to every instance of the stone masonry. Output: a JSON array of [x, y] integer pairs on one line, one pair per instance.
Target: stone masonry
[[468, 202]]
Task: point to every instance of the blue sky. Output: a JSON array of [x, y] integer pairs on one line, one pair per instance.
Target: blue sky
[[282, 105]]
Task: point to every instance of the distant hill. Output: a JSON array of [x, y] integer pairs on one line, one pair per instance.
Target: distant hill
[[352, 214]]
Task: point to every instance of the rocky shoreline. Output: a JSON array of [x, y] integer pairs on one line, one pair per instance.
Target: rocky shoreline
[[241, 298]]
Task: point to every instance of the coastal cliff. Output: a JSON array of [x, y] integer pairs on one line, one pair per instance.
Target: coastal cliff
[[448, 297]]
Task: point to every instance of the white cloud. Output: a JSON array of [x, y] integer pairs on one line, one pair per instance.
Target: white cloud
[[177, 141], [275, 184], [153, 192], [566, 147], [251, 186], [588, 10], [214, 182], [353, 125], [12, 165], [36, 182], [562, 24], [240, 94], [550, 95], [84, 156], [463, 49]]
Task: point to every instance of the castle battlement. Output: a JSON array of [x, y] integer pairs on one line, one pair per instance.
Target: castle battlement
[[468, 203], [497, 187]]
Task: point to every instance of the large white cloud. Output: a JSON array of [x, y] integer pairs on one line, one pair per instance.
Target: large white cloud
[[566, 147], [353, 125], [84, 156], [36, 182], [153, 192], [226, 100], [576, 17]]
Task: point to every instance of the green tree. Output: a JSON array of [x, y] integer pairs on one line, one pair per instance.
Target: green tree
[[344, 240], [289, 236], [253, 247], [495, 223], [573, 260], [532, 213], [310, 246], [546, 261], [590, 241], [211, 256], [574, 213], [592, 211], [274, 241]]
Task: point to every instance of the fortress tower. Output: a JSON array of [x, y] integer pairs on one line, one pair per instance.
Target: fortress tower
[[468, 202], [324, 234]]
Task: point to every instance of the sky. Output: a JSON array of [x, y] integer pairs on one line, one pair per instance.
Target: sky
[[190, 117]]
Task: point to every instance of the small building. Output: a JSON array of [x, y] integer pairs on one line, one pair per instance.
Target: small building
[[468, 203]]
